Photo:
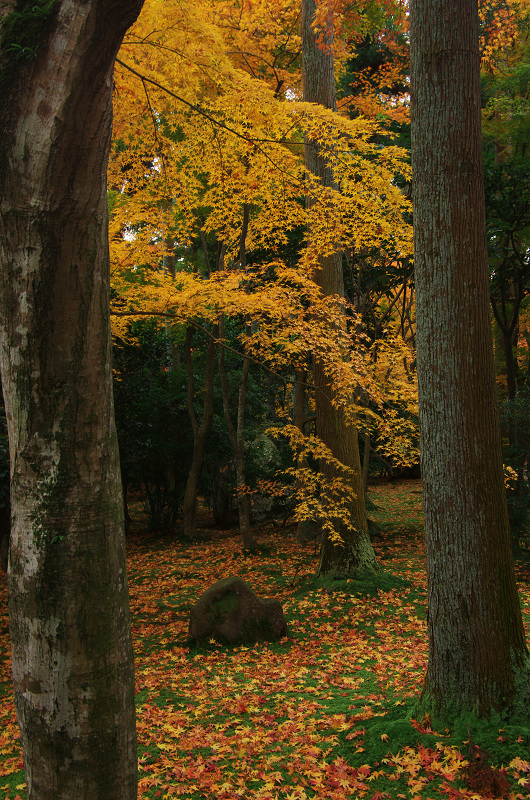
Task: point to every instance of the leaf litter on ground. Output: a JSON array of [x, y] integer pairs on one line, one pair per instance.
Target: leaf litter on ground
[[325, 712]]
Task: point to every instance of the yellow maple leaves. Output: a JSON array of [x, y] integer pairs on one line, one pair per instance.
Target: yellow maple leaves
[[209, 139]]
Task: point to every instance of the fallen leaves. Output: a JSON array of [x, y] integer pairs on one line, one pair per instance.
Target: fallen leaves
[[284, 720]]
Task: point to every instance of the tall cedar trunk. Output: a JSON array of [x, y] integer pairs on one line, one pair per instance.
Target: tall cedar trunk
[[356, 552], [68, 597], [201, 431], [477, 650]]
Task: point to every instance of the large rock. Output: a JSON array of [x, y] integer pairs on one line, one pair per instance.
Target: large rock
[[231, 613]]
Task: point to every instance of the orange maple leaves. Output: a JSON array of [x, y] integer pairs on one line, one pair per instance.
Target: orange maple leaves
[[271, 722]]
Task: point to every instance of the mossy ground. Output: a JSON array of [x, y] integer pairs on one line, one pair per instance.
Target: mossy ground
[[326, 712]]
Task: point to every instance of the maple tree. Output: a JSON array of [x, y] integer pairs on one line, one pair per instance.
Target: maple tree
[[206, 166], [354, 552]]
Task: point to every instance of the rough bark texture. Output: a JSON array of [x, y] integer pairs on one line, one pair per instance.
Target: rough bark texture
[[356, 553], [477, 650], [68, 596]]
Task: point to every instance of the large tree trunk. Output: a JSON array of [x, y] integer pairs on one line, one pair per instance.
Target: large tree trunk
[[68, 597], [356, 552], [201, 430], [477, 649]]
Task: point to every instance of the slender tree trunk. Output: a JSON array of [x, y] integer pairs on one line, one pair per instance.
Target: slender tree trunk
[[306, 529], [201, 431], [236, 435], [511, 363], [366, 460], [356, 552], [477, 649], [170, 267], [237, 432], [508, 322], [68, 598]]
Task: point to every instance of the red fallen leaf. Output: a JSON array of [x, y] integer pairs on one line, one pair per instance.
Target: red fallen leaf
[[354, 734], [451, 791], [424, 726]]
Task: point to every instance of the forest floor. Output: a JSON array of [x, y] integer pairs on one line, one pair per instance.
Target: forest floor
[[327, 712]]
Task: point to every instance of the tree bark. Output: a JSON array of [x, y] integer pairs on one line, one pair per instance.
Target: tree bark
[[201, 431], [68, 597], [477, 650], [356, 552]]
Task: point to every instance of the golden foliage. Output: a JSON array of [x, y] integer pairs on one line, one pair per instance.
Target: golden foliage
[[209, 138]]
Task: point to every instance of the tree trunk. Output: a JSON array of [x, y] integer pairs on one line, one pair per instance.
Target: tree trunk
[[169, 266], [236, 434], [510, 361], [68, 598], [305, 529], [356, 552], [477, 649], [507, 319], [366, 460], [200, 432]]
